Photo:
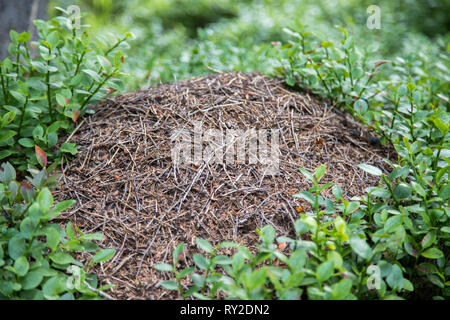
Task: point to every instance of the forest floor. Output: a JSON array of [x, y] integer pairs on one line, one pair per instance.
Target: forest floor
[[127, 186]]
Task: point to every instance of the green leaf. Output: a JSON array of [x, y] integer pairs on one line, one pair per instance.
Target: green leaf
[[360, 247], [268, 234], [27, 227], [185, 272], [308, 196], [341, 289], [419, 189], [352, 206], [297, 259], [61, 100], [94, 75], [320, 171], [432, 253], [407, 285], [26, 142], [169, 285], [307, 174], [370, 169], [52, 287], [62, 206], [361, 106], [94, 236], [444, 193], [52, 139], [21, 266], [165, 267], [428, 239], [103, 255], [32, 280], [222, 260], [395, 277], [399, 172], [16, 247], [8, 118], [392, 223], [440, 125], [45, 199], [200, 261], [402, 192], [445, 229], [410, 249], [204, 245], [257, 279], [9, 173], [69, 230], [38, 132], [52, 238], [69, 148], [60, 257], [325, 271], [337, 191], [18, 96], [5, 153], [6, 134]]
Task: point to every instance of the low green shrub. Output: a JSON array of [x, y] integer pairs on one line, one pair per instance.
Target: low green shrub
[[407, 105], [45, 86], [37, 256]]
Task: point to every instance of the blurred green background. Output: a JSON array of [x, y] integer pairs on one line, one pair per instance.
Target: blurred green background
[[177, 39]]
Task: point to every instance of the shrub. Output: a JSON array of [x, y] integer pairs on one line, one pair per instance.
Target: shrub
[[47, 85], [36, 256]]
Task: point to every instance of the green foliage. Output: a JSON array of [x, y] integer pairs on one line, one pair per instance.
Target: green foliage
[[177, 39], [37, 257], [47, 85], [408, 107], [336, 246]]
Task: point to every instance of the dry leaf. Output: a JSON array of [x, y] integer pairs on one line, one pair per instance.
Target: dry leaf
[[41, 156], [75, 115]]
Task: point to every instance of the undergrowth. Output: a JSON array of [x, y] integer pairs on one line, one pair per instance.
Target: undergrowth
[[45, 87]]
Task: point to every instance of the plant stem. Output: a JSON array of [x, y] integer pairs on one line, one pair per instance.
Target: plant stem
[[114, 46], [390, 189], [79, 63], [394, 117], [49, 100], [22, 116], [17, 59], [5, 95], [96, 90]]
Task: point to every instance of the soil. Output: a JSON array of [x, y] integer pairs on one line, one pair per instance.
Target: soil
[[127, 186]]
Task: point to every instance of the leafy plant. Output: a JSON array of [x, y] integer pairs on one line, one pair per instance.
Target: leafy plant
[[47, 85], [37, 257]]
